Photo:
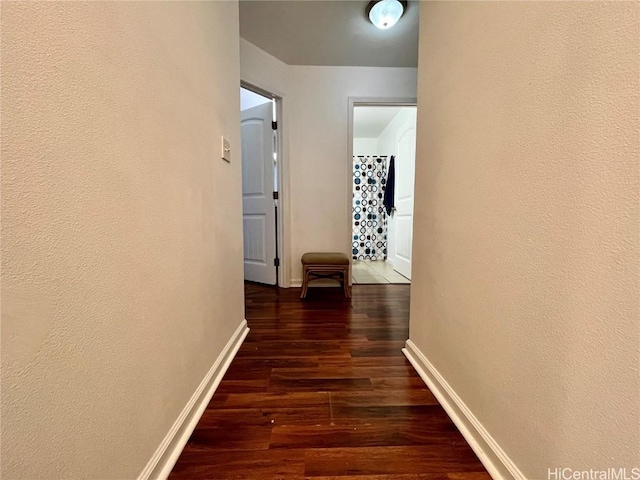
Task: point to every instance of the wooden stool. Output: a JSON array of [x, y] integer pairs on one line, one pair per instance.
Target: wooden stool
[[325, 265]]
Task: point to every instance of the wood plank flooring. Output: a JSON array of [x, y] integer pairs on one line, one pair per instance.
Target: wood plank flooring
[[320, 390]]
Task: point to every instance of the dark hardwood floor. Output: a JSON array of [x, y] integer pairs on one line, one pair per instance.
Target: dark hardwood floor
[[320, 389]]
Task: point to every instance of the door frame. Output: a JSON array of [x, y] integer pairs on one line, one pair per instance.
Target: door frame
[[365, 102], [284, 279]]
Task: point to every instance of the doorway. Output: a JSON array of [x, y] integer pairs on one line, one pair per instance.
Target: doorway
[[260, 170], [383, 154]]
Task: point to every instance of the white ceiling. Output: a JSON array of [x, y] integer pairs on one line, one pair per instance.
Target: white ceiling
[[318, 32], [369, 122]]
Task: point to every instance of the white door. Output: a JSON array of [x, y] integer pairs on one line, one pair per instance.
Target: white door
[[258, 207], [405, 163]]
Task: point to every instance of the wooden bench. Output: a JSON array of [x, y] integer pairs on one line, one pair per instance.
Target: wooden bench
[[325, 265]]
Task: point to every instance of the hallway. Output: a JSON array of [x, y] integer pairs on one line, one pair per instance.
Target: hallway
[[320, 389]]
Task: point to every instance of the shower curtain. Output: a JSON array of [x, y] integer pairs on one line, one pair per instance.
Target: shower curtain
[[369, 216]]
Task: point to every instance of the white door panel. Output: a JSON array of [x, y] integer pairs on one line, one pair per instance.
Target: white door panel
[[253, 181], [404, 188], [258, 212], [403, 249], [255, 248]]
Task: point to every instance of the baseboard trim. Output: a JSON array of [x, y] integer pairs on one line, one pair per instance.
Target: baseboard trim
[[165, 457], [492, 456], [296, 282]]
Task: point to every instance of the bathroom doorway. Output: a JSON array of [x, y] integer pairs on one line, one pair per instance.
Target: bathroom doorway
[[383, 146]]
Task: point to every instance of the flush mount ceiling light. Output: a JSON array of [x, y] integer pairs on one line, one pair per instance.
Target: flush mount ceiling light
[[385, 13]]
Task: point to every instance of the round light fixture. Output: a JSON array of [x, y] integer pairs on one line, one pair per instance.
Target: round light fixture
[[385, 13]]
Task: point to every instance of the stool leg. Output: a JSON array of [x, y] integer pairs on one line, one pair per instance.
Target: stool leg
[[305, 282], [345, 277]]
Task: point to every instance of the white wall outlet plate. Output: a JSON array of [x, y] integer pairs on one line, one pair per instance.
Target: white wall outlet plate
[[226, 150]]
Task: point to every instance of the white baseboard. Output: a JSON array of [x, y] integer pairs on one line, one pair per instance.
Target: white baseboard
[[165, 457], [492, 456], [296, 282]]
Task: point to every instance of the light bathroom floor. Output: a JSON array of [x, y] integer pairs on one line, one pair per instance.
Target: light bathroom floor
[[369, 271]]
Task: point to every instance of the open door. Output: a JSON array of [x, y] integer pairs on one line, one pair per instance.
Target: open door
[[258, 207], [404, 187]]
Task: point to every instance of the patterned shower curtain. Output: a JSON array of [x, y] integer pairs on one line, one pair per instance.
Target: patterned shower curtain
[[369, 216]]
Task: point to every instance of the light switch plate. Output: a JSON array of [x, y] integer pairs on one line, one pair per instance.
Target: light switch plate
[[226, 150]]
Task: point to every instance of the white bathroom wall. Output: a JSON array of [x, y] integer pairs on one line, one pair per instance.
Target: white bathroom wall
[[365, 146]]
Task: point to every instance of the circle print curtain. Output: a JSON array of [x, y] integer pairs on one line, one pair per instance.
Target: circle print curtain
[[369, 216]]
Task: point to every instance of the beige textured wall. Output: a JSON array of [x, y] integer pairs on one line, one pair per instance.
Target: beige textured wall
[[121, 227], [525, 274]]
